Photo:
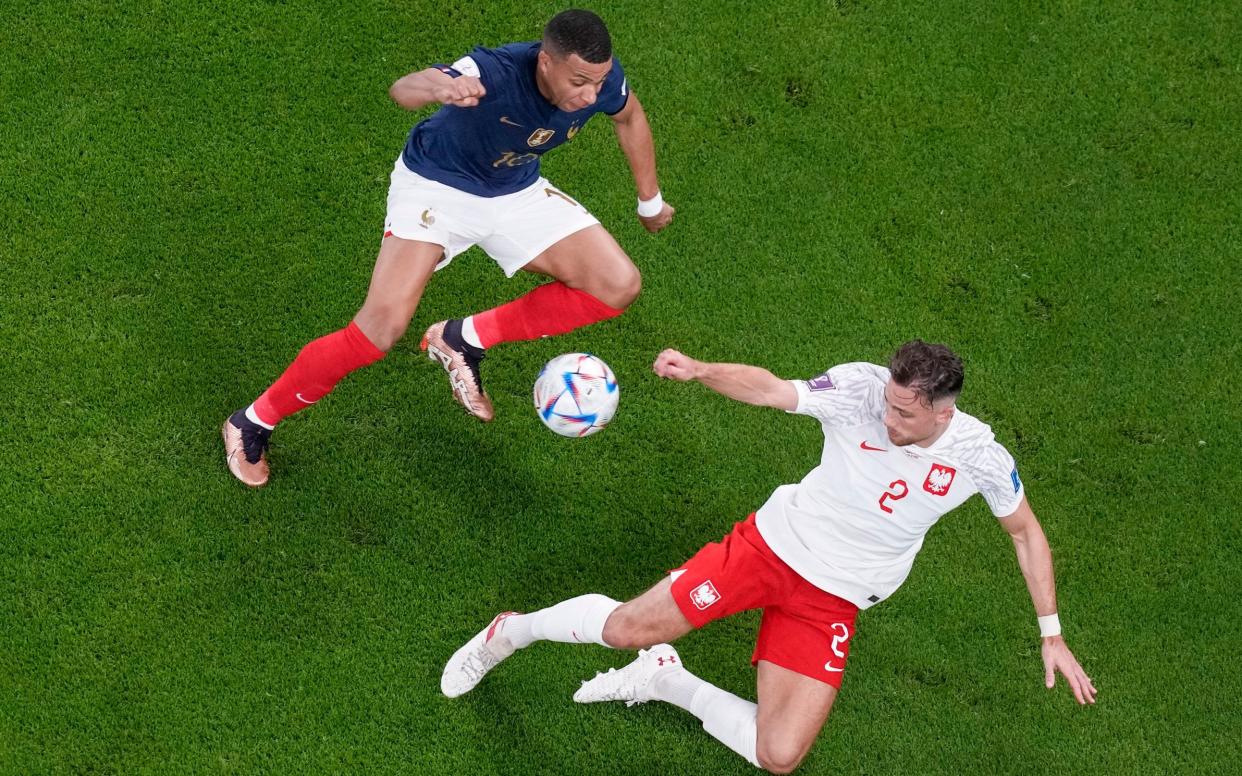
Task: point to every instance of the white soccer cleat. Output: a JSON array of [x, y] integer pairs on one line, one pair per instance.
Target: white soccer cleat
[[468, 665], [632, 683]]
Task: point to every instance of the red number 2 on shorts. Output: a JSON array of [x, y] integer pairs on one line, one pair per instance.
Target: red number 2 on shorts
[[897, 490], [841, 633]]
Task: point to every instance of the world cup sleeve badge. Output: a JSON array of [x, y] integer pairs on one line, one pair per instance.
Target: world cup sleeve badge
[[939, 479], [821, 383]]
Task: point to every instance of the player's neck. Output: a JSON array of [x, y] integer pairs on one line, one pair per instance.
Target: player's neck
[[931, 440], [935, 437]]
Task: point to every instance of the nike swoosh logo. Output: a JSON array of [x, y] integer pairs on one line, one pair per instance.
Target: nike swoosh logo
[[866, 446], [828, 667], [304, 401], [507, 120]]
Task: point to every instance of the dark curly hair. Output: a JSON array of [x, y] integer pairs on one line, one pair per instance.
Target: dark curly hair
[[578, 32], [932, 371]]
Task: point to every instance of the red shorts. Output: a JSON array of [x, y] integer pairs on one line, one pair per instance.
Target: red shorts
[[804, 628]]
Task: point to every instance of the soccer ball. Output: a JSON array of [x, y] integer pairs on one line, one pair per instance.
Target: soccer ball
[[576, 394]]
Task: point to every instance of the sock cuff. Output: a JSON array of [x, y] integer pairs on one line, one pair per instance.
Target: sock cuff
[[361, 344], [253, 416], [596, 305], [594, 620]]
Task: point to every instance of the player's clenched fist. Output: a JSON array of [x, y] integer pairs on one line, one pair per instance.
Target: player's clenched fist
[[464, 92], [676, 366], [660, 220]]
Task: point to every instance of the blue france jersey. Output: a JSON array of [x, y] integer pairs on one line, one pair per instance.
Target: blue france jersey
[[494, 147]]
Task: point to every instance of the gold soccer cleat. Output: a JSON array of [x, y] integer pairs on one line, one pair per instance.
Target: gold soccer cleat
[[444, 345], [245, 449]]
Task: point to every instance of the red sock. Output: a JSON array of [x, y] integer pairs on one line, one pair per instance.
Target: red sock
[[316, 370], [553, 308]]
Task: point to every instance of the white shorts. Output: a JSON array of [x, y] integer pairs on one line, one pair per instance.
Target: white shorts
[[512, 228]]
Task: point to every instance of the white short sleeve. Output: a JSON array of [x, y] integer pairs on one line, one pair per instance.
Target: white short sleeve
[[467, 66], [996, 476], [845, 395]]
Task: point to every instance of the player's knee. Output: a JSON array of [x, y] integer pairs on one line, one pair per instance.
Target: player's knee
[[618, 287], [387, 335], [383, 325], [628, 283], [781, 762], [779, 754]]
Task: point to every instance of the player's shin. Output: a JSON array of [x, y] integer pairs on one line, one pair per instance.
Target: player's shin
[[576, 621], [319, 366], [551, 309], [729, 719]]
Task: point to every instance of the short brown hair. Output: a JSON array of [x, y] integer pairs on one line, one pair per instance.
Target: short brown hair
[[932, 371]]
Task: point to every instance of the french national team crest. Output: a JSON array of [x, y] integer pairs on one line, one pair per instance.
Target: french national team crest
[[704, 595], [539, 137], [939, 479]]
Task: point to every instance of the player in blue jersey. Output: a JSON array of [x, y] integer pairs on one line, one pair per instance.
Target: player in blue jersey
[[469, 175]]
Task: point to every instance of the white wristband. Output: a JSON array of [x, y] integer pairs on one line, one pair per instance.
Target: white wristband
[[1049, 625], [651, 207]]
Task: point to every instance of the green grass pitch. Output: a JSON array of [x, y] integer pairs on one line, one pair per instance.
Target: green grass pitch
[[189, 192]]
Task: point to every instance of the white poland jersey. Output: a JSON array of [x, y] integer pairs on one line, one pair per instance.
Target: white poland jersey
[[854, 524]]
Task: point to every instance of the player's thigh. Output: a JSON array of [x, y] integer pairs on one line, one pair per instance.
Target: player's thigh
[[591, 260], [423, 210], [792, 710], [397, 282], [545, 231], [738, 573], [651, 618]]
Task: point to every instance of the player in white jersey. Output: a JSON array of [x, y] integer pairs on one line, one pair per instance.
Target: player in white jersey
[[898, 455]]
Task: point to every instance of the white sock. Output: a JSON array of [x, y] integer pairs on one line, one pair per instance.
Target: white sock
[[576, 621], [253, 417], [677, 687], [469, 333], [729, 719]]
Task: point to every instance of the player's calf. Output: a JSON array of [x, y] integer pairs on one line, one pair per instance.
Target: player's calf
[[628, 629], [651, 618]]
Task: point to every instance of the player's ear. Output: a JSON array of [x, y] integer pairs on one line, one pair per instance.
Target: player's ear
[[945, 414]]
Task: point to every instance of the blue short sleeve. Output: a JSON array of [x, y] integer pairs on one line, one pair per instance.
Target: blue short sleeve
[[615, 93]]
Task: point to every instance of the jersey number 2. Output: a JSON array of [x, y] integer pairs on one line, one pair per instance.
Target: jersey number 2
[[897, 490]]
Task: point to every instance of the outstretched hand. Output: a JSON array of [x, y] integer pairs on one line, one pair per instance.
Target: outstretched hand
[[464, 92], [1057, 657], [660, 220], [674, 365]]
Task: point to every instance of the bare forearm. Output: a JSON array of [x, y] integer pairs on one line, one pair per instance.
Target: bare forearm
[[634, 137], [417, 90], [744, 383], [1035, 560]]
